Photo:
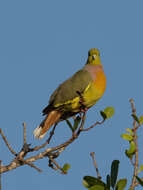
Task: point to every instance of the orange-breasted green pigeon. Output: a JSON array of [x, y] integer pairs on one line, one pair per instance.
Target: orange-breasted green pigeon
[[89, 83]]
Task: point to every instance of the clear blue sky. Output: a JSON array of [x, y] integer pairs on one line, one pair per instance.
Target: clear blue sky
[[42, 43]]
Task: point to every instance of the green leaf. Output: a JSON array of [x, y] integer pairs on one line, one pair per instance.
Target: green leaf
[[89, 181], [132, 148], [129, 153], [97, 187], [114, 172], [85, 184], [130, 156], [66, 167], [140, 169], [70, 125], [103, 115], [135, 118], [76, 122], [109, 112], [130, 131], [108, 181], [127, 137], [141, 120], [140, 181], [121, 184]]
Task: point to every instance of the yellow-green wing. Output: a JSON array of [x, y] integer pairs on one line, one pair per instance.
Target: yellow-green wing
[[68, 90]]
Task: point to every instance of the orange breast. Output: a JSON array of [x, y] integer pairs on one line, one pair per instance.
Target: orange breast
[[96, 88], [100, 81]]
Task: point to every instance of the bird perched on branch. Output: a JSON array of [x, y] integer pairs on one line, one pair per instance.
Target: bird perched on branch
[[87, 84]]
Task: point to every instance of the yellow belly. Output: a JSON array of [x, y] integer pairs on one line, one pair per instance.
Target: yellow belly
[[95, 90]]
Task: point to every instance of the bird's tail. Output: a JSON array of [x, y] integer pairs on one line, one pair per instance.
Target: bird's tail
[[45, 125]]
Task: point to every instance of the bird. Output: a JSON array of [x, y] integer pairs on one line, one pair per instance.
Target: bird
[[88, 84]]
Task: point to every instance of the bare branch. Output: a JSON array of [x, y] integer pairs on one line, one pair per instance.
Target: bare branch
[[52, 152], [31, 165], [92, 126], [24, 133], [83, 117], [51, 160], [36, 148], [51, 133], [15, 163], [92, 154], [0, 175], [7, 144]]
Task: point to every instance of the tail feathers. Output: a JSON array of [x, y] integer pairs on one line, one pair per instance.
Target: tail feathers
[[37, 133], [45, 125]]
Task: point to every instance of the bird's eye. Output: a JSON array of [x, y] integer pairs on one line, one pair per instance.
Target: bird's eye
[[94, 56]]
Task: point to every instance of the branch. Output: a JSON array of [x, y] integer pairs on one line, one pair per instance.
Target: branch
[[19, 157], [51, 153], [51, 160], [92, 126], [133, 184], [7, 144], [31, 165], [24, 133], [0, 175], [92, 154]]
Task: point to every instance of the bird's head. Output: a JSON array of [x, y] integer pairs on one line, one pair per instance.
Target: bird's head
[[93, 57]]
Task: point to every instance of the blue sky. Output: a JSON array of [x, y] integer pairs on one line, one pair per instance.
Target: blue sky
[[42, 43]]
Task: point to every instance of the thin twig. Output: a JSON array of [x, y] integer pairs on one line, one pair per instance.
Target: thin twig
[[31, 165], [51, 165], [36, 148], [24, 133], [7, 144], [56, 164], [51, 133], [92, 154], [0, 175], [82, 124], [52, 156], [92, 126], [136, 144]]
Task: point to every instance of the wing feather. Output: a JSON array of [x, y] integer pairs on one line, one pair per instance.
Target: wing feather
[[67, 91]]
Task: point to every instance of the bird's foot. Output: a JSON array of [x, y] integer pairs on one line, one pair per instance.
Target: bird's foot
[[83, 108]]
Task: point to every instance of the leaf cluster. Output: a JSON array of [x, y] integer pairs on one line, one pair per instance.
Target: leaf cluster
[[93, 183]]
